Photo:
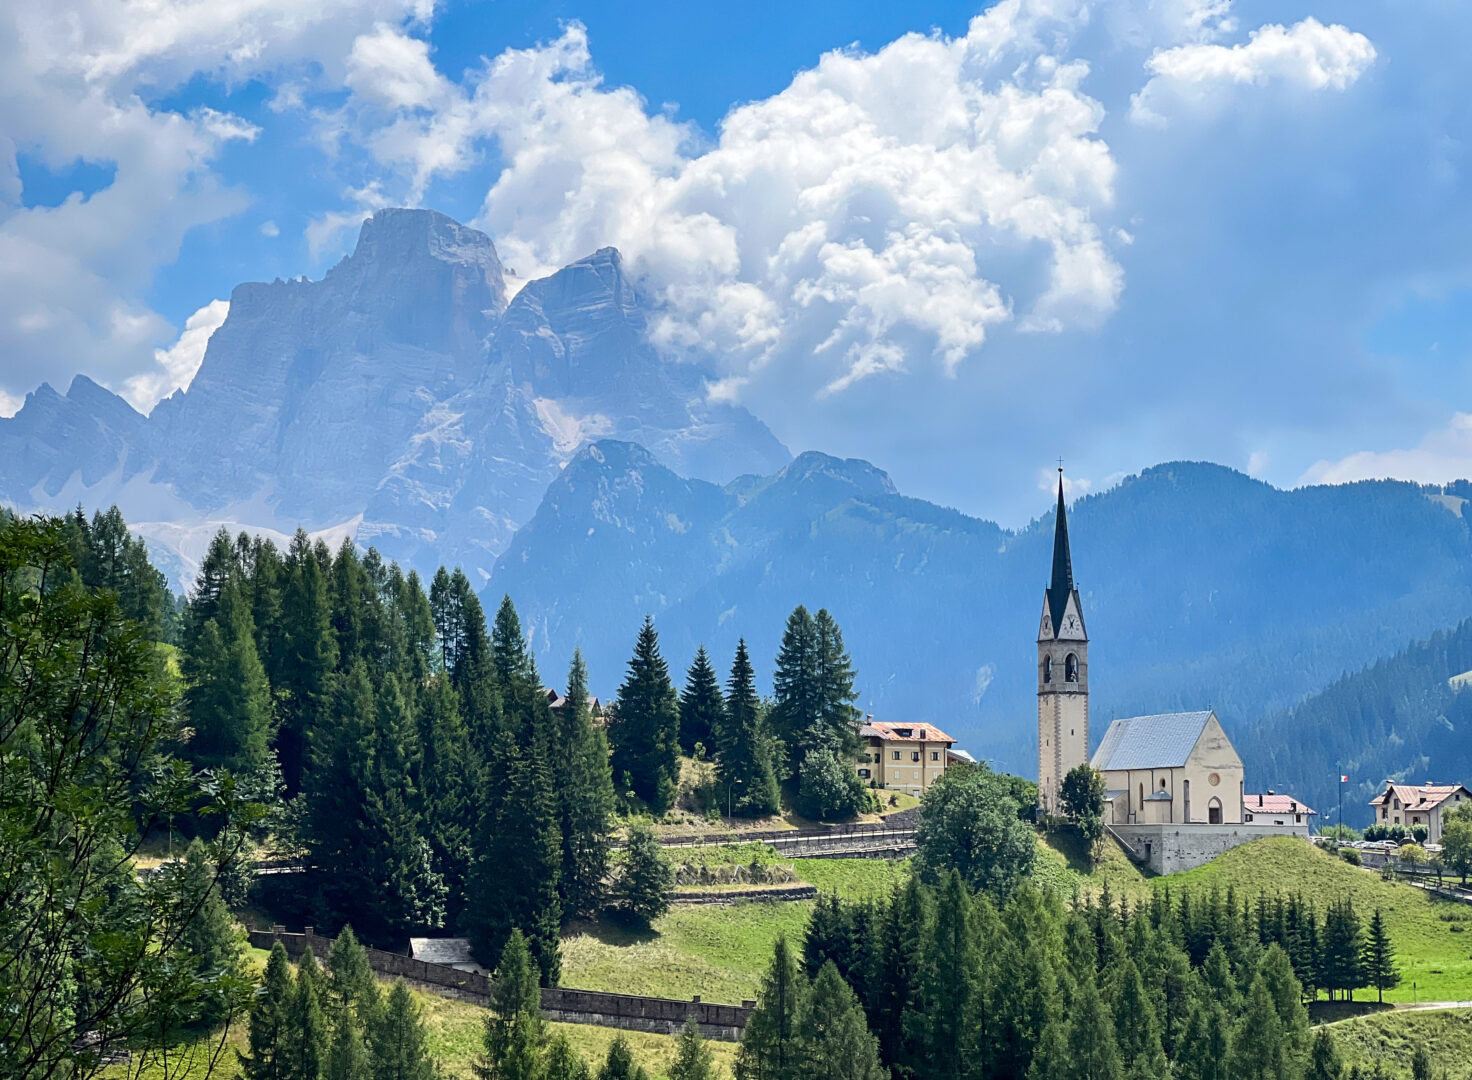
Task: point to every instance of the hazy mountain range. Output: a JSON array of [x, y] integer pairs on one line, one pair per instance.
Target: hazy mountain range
[[543, 444]]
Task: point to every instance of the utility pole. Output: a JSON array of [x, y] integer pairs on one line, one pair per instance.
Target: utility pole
[[1339, 815]]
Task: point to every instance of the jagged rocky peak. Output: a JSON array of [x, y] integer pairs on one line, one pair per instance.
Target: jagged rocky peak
[[811, 466], [88, 433]]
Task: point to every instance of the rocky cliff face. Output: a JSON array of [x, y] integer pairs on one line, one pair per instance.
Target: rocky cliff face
[[400, 393]]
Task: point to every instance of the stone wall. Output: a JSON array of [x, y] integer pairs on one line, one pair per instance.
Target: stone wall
[[1168, 849], [665, 1016]]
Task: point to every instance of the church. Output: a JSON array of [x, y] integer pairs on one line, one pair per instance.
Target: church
[[1175, 787]]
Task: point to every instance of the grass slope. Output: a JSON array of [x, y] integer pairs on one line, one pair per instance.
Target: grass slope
[[1062, 865], [716, 952], [1391, 1038], [1433, 938]]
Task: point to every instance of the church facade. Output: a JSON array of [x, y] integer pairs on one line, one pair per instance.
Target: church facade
[[1175, 785]]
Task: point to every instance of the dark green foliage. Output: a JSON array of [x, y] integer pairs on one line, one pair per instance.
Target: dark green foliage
[[229, 699], [397, 1040], [969, 823], [769, 1048], [518, 841], [1261, 1049], [943, 1015], [562, 1061], [211, 939], [645, 730], [1091, 1048], [514, 1030], [308, 653], [305, 1033], [107, 557], [1082, 798], [829, 787], [348, 1057], [1341, 948], [585, 798], [813, 690], [619, 1065], [1421, 1064], [701, 706], [646, 877], [833, 1039], [838, 718], [1324, 1062], [693, 1060], [1377, 960], [746, 776], [352, 989], [268, 1057]]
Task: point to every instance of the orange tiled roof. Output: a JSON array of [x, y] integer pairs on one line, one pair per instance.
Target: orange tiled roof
[[1275, 804], [1412, 797], [891, 732]]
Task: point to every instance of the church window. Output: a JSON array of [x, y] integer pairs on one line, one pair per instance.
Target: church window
[[1047, 669], [1214, 812], [1070, 668], [1142, 796]]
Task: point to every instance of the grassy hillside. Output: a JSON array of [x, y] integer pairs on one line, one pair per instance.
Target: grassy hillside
[[1433, 938], [1062, 865], [1389, 1039]]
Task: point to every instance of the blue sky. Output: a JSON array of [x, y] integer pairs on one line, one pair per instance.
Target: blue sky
[[1117, 233]]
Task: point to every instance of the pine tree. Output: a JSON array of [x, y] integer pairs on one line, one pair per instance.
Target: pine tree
[[645, 728], [942, 1015], [769, 1044], [269, 1056], [397, 1042], [210, 942], [1260, 1046], [1205, 1051], [229, 700], [352, 989], [744, 748], [838, 719], [1378, 957], [1136, 1024], [562, 1062], [796, 704], [619, 1065], [585, 798], [1324, 1062], [693, 1059], [702, 710], [519, 841], [833, 1040], [309, 654], [647, 877], [1091, 1049], [305, 1032], [348, 1057], [895, 980], [514, 1030]]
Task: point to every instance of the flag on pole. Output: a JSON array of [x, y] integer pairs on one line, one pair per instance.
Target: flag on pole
[[1344, 779]]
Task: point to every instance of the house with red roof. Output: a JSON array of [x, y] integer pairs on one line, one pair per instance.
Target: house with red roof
[[1426, 805], [1270, 808], [903, 757]]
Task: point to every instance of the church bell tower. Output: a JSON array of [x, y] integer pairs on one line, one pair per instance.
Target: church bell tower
[[1063, 673]]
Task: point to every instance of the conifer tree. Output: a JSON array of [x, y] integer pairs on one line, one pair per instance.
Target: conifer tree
[[701, 707], [838, 718], [269, 1054], [833, 1039], [448, 783], [229, 699], [796, 704], [518, 841], [1205, 1050], [769, 1048], [308, 654], [619, 1065], [352, 989], [585, 798], [1378, 957], [1091, 1049], [1136, 1024], [562, 1062], [210, 940], [647, 877], [1340, 948], [347, 1059], [1421, 1064], [1260, 1046], [645, 727], [397, 1043], [693, 1059], [744, 749], [895, 980], [943, 1014], [215, 571], [305, 1032], [514, 1030], [1324, 1062]]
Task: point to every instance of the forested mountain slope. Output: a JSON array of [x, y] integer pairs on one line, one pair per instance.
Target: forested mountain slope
[[1200, 586]]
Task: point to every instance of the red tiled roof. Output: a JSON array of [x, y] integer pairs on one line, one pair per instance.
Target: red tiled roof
[[890, 732], [1274, 804], [1425, 797]]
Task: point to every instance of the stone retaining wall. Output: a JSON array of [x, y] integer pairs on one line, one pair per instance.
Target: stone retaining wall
[[664, 1016], [1168, 849], [770, 894]]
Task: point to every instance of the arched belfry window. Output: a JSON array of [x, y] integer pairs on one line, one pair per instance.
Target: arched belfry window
[[1070, 668], [1047, 669]]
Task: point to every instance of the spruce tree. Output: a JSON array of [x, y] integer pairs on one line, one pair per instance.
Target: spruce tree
[[837, 716], [1136, 1024], [308, 654], [519, 841], [397, 1042], [1260, 1046], [620, 1065], [745, 773], [1091, 1048], [769, 1048], [1378, 957], [796, 702], [562, 1062], [348, 1057], [585, 798], [645, 727], [895, 980], [305, 1030], [229, 699], [448, 785], [1205, 1051], [693, 1059], [341, 778], [210, 942], [514, 1030], [1340, 947], [647, 877], [833, 1039], [352, 989], [701, 708], [943, 1015], [1324, 1062], [269, 1054]]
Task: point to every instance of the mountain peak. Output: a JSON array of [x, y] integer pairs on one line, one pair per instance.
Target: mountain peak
[[812, 466]]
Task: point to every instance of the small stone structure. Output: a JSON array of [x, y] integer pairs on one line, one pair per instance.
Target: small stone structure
[[664, 1016], [1167, 849]]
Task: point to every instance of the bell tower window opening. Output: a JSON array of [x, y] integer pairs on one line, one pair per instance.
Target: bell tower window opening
[[1070, 668], [1047, 669]]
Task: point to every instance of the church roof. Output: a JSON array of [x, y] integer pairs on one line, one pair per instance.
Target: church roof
[[1163, 741], [1060, 588]]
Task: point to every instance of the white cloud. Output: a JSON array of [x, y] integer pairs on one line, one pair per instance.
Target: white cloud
[[270, 230], [1073, 486], [1308, 54], [10, 403], [885, 209], [1444, 454], [1257, 462], [177, 364]]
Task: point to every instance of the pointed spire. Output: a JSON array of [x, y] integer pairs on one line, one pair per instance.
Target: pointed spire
[[1061, 587]]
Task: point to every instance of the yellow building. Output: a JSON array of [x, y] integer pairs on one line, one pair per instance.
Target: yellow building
[[1171, 769], [903, 757]]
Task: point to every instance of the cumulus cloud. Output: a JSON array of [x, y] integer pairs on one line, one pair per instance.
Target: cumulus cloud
[[10, 403], [1308, 54], [883, 209], [176, 365], [1444, 454]]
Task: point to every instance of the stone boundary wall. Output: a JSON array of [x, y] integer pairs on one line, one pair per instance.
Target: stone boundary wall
[[664, 1016], [1169, 849], [770, 894], [901, 821]]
